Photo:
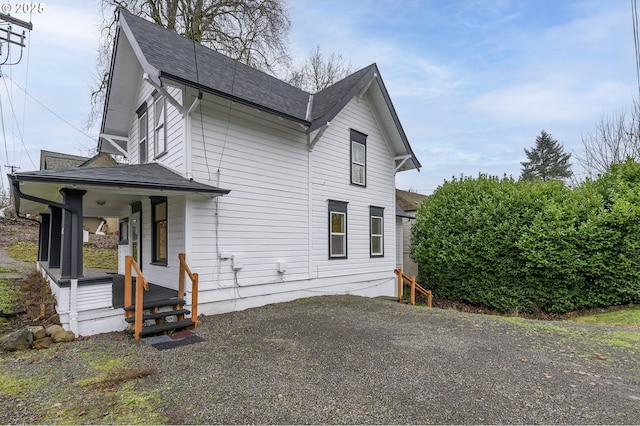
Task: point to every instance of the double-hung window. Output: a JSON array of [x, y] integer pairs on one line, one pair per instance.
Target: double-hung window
[[358, 158], [159, 233], [159, 118], [337, 229], [143, 139], [376, 231]]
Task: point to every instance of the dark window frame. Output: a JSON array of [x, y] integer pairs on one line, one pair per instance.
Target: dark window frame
[[376, 212], [155, 257], [339, 208], [359, 138]]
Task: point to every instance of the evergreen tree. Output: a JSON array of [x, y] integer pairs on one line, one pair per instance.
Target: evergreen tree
[[547, 160]]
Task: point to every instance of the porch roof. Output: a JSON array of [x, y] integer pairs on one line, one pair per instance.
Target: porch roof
[[108, 188]]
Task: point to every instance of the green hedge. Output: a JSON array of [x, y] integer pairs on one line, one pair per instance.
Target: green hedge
[[541, 246]]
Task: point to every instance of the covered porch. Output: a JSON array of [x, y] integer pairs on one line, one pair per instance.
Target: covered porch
[[89, 300]]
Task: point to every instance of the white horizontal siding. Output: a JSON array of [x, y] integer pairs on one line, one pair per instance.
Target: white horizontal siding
[[263, 161], [331, 180]]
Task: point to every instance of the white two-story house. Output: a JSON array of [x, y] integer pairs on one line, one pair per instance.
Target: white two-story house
[[272, 193]]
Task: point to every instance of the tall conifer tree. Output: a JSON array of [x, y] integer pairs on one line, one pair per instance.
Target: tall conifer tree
[[547, 160]]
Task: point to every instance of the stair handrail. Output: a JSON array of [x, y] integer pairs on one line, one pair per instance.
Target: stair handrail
[[193, 276], [411, 281], [141, 283]]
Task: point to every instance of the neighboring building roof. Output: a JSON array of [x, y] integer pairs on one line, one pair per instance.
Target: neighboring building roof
[[50, 160], [166, 54], [140, 176], [409, 201]]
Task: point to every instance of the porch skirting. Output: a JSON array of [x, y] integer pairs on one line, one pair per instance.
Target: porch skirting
[[85, 305]]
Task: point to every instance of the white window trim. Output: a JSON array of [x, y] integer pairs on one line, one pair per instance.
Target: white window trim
[[355, 163], [159, 123], [380, 236], [143, 139], [342, 234]]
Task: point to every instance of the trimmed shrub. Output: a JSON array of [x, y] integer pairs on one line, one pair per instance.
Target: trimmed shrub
[[532, 246]]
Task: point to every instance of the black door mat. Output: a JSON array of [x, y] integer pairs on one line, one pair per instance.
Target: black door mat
[[169, 341]]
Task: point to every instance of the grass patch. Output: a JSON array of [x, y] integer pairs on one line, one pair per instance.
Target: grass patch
[[4, 270], [100, 258], [27, 251], [9, 297], [626, 317]]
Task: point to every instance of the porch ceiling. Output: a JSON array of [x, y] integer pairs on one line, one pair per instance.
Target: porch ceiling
[[109, 189]]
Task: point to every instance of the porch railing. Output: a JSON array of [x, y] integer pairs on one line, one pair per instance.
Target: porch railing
[[141, 283], [184, 268], [411, 281]]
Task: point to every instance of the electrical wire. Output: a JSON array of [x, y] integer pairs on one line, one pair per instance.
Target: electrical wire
[[636, 42], [15, 118], [51, 111]]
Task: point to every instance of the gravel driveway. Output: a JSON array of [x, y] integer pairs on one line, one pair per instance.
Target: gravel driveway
[[352, 360]]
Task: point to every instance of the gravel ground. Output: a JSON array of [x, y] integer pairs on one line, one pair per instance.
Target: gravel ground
[[338, 360]]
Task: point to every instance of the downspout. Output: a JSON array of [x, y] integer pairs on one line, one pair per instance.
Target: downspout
[[188, 142]]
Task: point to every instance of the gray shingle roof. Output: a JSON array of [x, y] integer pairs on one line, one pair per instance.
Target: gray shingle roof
[[50, 160], [175, 57], [141, 176], [169, 55]]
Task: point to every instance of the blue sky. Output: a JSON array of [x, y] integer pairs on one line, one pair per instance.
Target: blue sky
[[473, 82]]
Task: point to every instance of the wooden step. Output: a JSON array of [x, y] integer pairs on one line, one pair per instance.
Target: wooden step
[[157, 304], [158, 329], [157, 315]]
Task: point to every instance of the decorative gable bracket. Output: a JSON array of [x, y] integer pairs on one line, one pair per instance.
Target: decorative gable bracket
[[164, 93], [117, 142], [400, 160], [316, 138]]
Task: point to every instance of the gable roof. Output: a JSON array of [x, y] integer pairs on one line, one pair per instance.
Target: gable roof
[[50, 160], [409, 201], [164, 54]]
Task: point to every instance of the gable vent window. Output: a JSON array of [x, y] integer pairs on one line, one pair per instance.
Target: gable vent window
[[376, 229], [159, 118], [337, 229], [143, 139], [358, 158]]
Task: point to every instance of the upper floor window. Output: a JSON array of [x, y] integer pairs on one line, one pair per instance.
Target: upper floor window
[[159, 118], [143, 139], [337, 229], [358, 158], [376, 230]]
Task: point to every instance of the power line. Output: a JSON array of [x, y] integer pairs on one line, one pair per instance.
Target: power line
[[636, 42], [50, 110]]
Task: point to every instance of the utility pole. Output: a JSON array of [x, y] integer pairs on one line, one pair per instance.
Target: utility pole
[[12, 38]]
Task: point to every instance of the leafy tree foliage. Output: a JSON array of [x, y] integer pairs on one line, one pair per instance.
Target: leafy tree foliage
[[541, 246], [547, 160]]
